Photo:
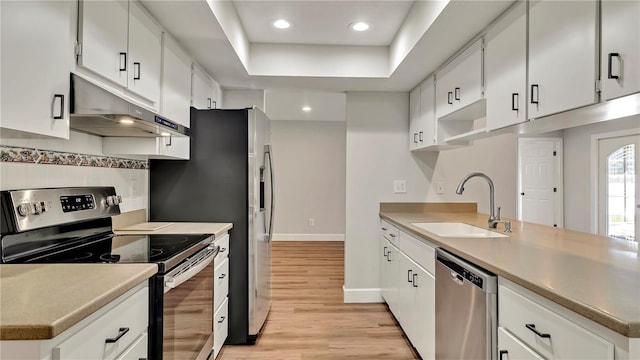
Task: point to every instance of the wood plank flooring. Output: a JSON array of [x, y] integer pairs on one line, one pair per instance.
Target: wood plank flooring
[[308, 319]]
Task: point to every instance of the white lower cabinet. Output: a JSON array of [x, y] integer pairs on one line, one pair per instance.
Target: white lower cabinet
[[546, 332], [408, 287], [221, 294], [510, 348]]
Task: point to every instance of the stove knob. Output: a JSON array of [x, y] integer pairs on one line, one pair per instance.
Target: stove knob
[[111, 200], [24, 209], [119, 199], [38, 208]]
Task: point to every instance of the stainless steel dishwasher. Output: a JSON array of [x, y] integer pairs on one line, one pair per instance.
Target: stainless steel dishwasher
[[466, 310]]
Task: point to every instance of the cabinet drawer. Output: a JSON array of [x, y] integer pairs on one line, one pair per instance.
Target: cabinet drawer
[[390, 232], [136, 351], [566, 340], [223, 242], [423, 254], [221, 329], [221, 285], [510, 348], [129, 319]]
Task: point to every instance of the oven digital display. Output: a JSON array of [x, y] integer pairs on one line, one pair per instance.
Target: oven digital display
[[77, 203]]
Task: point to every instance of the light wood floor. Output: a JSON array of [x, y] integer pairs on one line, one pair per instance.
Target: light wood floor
[[308, 319]]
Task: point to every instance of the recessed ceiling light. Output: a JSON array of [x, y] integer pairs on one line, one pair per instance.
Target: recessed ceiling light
[[282, 24], [359, 26], [306, 108]]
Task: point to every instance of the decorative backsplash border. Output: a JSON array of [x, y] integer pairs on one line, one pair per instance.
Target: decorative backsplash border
[[16, 154]]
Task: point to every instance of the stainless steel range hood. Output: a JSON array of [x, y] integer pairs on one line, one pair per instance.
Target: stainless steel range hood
[[99, 112]]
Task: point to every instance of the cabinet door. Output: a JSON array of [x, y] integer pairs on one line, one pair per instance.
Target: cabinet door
[[444, 92], [427, 122], [424, 313], [144, 54], [103, 31], [384, 269], [562, 55], [406, 299], [176, 82], [506, 69], [200, 89], [459, 83], [36, 45], [620, 61], [414, 117], [510, 348]]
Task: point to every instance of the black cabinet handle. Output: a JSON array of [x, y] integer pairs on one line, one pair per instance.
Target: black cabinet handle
[[420, 136], [121, 332], [450, 98], [415, 283], [409, 277], [61, 108], [534, 86], [383, 228], [223, 250], [415, 141], [384, 251], [389, 255], [456, 92], [123, 61], [221, 319], [514, 101], [222, 276], [392, 235], [136, 65], [532, 327], [503, 352], [209, 101], [610, 66]]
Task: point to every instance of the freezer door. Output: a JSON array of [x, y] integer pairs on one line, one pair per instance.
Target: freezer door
[[260, 219]]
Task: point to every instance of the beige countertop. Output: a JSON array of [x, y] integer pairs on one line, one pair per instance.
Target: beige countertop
[[595, 276], [180, 228], [41, 301]]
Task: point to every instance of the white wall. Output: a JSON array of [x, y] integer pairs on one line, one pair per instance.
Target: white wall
[[131, 184], [240, 99], [309, 159], [378, 153], [577, 170]]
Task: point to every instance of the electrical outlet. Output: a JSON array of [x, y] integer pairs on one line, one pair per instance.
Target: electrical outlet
[[399, 186], [440, 187], [312, 222]]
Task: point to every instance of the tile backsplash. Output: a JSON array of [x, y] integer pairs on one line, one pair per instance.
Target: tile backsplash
[[79, 161]]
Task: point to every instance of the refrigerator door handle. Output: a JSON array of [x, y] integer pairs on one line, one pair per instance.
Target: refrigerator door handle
[[268, 153]]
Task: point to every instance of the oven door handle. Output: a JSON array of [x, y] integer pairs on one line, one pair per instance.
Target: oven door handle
[[187, 271]]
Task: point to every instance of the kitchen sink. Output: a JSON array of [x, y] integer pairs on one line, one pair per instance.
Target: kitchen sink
[[456, 229]]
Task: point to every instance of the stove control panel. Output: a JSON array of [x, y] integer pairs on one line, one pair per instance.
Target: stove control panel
[[39, 208]]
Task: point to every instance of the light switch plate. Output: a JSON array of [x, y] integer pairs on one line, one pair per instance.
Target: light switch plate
[[440, 187], [399, 186]]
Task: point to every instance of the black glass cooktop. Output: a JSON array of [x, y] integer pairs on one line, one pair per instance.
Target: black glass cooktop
[[165, 250]]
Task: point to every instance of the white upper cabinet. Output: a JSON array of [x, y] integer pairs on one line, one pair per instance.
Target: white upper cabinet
[[459, 83], [176, 82], [201, 97], [620, 72], [36, 49], [427, 121], [145, 38], [505, 58], [121, 42], [562, 55], [414, 117]]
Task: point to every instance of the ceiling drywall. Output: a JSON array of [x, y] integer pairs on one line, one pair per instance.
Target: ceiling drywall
[[225, 38]]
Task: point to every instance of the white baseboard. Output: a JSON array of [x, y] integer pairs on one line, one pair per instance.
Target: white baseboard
[[362, 295], [308, 237]]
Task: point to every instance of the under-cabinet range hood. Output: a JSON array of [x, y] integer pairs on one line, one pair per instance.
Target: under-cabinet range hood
[[97, 111]]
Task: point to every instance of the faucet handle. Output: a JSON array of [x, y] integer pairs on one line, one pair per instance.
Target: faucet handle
[[507, 226], [498, 216]]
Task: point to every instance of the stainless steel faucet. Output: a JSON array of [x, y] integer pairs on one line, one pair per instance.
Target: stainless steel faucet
[[493, 219]]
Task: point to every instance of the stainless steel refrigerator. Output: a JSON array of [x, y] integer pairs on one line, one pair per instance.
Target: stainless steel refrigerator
[[229, 178]]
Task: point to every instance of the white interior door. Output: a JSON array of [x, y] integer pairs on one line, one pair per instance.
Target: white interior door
[[618, 188], [540, 199]]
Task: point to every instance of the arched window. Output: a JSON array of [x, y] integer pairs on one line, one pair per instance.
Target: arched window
[[620, 187]]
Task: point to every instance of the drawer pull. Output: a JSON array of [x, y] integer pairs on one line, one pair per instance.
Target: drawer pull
[[503, 352], [392, 235], [384, 229], [222, 276], [532, 327], [221, 319], [121, 332]]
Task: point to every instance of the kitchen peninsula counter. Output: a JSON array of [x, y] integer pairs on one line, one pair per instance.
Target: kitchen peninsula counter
[[595, 276], [40, 301]]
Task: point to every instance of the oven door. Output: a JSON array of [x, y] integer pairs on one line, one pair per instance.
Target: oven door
[[187, 312]]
